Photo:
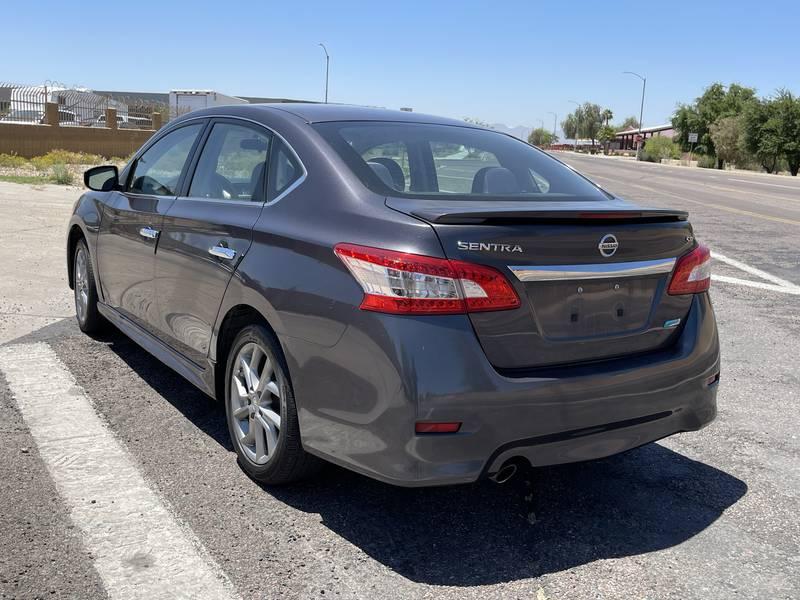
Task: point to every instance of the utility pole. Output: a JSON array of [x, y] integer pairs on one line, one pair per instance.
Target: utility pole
[[327, 69], [641, 112], [577, 123]]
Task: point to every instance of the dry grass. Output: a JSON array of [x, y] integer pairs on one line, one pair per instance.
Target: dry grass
[[59, 166], [12, 161]]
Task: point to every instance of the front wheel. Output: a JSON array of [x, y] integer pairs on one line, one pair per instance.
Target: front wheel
[[89, 318], [261, 412]]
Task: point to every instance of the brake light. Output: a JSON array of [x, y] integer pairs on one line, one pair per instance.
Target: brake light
[[404, 283], [692, 273]]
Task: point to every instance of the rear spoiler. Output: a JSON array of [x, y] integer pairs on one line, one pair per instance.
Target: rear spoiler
[[472, 212]]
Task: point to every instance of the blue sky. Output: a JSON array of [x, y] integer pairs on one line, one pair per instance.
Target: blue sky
[[506, 62]]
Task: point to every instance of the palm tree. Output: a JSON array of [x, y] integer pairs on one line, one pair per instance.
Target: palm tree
[[607, 115]]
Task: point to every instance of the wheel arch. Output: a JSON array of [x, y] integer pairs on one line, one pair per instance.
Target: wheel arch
[[236, 318], [75, 234]]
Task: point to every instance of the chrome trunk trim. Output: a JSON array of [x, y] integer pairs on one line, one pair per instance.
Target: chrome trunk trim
[[641, 268]]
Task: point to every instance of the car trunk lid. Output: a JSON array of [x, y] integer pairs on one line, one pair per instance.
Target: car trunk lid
[[592, 276]]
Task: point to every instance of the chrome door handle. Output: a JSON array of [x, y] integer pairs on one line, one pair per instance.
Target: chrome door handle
[[222, 252], [149, 233]]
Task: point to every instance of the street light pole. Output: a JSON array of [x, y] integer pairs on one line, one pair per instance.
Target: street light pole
[[577, 123], [641, 111], [327, 69]]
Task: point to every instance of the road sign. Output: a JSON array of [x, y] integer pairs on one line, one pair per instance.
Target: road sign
[[692, 138]]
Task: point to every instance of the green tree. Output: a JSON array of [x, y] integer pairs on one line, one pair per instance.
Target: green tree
[[571, 125], [787, 108], [606, 116], [606, 135], [716, 102], [541, 137], [629, 123], [584, 122], [761, 133], [592, 120], [725, 132]]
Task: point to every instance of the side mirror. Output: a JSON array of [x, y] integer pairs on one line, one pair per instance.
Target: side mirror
[[102, 179]]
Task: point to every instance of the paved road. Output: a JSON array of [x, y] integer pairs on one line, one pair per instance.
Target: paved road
[[753, 216], [704, 515]]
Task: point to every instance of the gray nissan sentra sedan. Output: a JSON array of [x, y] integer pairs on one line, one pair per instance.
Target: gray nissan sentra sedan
[[418, 299]]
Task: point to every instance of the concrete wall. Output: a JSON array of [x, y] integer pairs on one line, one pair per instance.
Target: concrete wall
[[35, 140]]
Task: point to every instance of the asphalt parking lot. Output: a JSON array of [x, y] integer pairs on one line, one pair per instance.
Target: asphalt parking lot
[[711, 514]]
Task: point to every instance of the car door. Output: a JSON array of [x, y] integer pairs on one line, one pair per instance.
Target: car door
[[131, 224], [207, 231]]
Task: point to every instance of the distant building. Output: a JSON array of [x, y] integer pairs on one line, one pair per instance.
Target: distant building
[[626, 140]]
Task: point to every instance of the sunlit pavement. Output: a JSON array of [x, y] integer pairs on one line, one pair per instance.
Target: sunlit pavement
[[711, 514]]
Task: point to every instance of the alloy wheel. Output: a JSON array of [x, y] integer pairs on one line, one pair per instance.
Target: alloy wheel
[[81, 284], [256, 403]]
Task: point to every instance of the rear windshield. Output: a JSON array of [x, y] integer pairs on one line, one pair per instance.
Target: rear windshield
[[447, 161]]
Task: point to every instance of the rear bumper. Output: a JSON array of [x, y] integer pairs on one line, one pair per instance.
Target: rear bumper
[[610, 438], [550, 417]]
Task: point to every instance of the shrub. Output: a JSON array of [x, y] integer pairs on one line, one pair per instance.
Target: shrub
[[707, 161], [658, 147], [119, 160], [748, 162], [61, 175], [65, 157], [12, 160]]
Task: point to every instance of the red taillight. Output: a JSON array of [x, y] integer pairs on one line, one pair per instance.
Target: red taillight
[[431, 427], [692, 272], [403, 283]]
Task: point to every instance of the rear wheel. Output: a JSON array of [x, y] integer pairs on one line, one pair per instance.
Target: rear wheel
[[261, 412], [89, 319]]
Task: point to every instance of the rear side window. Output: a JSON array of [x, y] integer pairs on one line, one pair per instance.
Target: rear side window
[[449, 161], [284, 170], [232, 164], [158, 170]]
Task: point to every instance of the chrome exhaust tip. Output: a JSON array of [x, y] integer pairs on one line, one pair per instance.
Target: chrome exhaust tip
[[506, 472]]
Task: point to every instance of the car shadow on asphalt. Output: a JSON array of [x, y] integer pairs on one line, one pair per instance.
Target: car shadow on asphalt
[[544, 521]]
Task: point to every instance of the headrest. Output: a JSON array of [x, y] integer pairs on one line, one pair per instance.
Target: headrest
[[395, 170], [494, 180], [382, 172]]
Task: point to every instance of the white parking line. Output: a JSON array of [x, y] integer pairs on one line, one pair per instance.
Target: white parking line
[[139, 549], [757, 284], [788, 187], [752, 270]]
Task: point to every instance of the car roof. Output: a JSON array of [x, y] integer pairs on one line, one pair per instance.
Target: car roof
[[320, 113]]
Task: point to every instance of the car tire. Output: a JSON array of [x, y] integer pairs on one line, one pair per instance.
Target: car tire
[[261, 411], [89, 318]]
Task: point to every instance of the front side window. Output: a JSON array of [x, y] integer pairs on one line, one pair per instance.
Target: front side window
[[232, 164], [159, 169], [450, 161]]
